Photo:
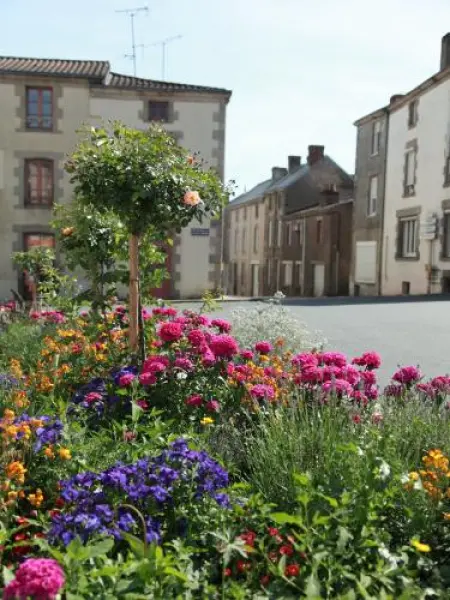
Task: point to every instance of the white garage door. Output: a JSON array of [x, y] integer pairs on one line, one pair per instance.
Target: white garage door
[[366, 262]]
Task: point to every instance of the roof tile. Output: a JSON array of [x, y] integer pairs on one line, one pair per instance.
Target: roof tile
[[96, 69]]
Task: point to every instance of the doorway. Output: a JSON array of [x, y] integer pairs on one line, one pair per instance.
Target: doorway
[[319, 280]]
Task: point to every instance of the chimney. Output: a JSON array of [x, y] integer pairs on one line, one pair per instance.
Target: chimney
[[445, 51], [315, 153], [278, 173], [294, 163], [395, 97]]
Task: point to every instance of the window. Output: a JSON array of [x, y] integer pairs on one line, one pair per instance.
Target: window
[[271, 226], [288, 274], [408, 238], [299, 274], [298, 233], [255, 238], [372, 201], [280, 232], [256, 210], [413, 115], [158, 111], [410, 172], [38, 240], [376, 137], [288, 234], [244, 231], [39, 182], [236, 239], [319, 231], [446, 239], [39, 108]]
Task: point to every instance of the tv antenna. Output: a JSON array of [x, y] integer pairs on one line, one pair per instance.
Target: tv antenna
[[132, 12], [163, 43]]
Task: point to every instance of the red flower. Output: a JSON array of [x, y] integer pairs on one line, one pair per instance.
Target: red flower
[[195, 400], [287, 550], [273, 531], [292, 570], [227, 572], [265, 580], [212, 406], [249, 538], [243, 566], [170, 332], [59, 502]]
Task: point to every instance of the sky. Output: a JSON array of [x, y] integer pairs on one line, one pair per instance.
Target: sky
[[301, 71]]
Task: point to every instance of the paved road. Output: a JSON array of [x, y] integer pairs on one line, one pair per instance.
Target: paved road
[[415, 333]]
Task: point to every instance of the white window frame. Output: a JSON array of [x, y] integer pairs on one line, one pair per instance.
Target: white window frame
[[270, 234], [376, 137], [372, 201], [279, 233], [409, 236], [410, 166], [288, 273], [289, 233]]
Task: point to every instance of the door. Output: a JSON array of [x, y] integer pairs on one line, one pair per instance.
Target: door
[[30, 241], [255, 280], [165, 291], [319, 280]]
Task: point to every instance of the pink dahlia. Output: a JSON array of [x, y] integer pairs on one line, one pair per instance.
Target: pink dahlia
[[334, 358], [93, 397], [208, 358], [222, 325], [304, 359], [246, 355], [331, 372], [260, 391], [407, 375], [147, 378], [36, 578], [441, 384], [223, 346], [196, 338], [159, 359], [263, 347], [340, 387], [183, 363], [170, 332], [350, 374], [212, 406], [368, 377], [393, 391], [126, 379], [195, 400], [370, 360]]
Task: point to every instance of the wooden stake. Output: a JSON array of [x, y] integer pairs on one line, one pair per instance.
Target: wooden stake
[[134, 294]]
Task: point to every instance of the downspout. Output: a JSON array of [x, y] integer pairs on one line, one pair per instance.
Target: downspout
[[381, 240]]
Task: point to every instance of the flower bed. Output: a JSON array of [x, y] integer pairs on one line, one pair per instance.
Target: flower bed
[[213, 469]]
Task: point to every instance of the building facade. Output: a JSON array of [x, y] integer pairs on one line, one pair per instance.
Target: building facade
[[281, 202], [368, 213], [42, 105], [417, 199]]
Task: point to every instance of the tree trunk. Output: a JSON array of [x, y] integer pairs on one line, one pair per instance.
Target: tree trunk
[[134, 294]]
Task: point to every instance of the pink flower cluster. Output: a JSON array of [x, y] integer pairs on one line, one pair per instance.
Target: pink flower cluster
[[331, 373], [36, 578], [197, 401], [49, 316]]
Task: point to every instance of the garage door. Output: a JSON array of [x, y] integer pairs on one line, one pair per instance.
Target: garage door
[[366, 262]]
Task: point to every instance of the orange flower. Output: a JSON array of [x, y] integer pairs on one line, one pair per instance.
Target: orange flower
[[36, 499], [16, 470], [67, 231], [192, 198]]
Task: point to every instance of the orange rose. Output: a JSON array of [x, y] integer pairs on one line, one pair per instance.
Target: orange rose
[[67, 231], [192, 198]]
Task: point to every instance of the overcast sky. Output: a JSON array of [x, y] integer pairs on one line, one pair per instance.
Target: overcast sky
[[301, 71]]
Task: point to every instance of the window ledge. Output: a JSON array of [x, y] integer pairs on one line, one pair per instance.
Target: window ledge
[[399, 257]]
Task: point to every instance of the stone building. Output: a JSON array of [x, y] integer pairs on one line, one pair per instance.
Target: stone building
[[44, 102], [278, 263]]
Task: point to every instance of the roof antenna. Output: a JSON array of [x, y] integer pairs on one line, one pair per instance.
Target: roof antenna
[[163, 44], [132, 12]]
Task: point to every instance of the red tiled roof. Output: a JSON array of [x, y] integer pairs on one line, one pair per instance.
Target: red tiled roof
[[127, 82], [96, 69]]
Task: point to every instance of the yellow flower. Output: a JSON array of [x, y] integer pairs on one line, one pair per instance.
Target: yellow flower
[[36, 499], [420, 547], [12, 496], [16, 470], [64, 454], [15, 369], [9, 415], [49, 452], [207, 421]]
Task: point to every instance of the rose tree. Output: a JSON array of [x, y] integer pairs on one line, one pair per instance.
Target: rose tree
[[149, 181]]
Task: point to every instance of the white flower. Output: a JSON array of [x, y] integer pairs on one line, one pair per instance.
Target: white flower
[[181, 376]]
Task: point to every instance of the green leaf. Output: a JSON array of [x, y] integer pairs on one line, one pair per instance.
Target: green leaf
[[312, 589], [284, 518], [101, 548], [344, 537], [175, 573], [8, 575], [137, 546]]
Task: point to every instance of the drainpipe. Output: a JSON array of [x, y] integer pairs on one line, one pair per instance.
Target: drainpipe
[[381, 238]]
